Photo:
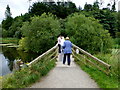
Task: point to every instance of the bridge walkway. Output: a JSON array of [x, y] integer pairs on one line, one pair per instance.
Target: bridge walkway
[[63, 76]]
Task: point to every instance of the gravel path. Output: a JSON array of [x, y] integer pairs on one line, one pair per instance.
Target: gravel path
[[63, 76]]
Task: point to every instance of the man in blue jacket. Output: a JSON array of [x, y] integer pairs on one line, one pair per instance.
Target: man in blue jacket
[[67, 50]]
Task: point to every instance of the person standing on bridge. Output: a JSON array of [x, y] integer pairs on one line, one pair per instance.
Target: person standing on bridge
[[61, 54], [62, 43], [67, 50], [59, 43]]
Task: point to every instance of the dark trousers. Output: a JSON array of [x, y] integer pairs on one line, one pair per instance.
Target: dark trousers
[[59, 48], [68, 58]]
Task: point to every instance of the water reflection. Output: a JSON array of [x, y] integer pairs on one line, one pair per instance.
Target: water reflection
[[4, 65], [8, 55]]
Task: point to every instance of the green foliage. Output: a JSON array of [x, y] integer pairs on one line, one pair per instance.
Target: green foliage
[[7, 23], [118, 18], [40, 34], [107, 17], [113, 6], [4, 33], [88, 7], [14, 30], [112, 59], [11, 27], [103, 80], [9, 40], [23, 44], [38, 9], [96, 5], [60, 9], [117, 43], [29, 75], [87, 33]]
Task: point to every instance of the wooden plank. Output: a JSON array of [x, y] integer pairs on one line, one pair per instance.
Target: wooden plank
[[97, 66], [107, 71], [54, 53], [53, 58], [78, 58], [6, 44], [80, 55], [93, 57], [47, 52]]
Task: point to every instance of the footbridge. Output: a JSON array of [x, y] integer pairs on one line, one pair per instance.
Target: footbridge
[[63, 76]]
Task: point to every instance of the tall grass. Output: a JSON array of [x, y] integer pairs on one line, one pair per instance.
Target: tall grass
[[112, 59], [103, 80]]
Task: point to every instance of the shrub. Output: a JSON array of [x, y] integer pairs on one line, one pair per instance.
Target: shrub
[[40, 34], [87, 33]]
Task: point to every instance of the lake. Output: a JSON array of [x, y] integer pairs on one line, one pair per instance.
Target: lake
[[9, 54]]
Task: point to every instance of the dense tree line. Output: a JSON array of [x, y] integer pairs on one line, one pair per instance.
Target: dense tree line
[[61, 12], [107, 17]]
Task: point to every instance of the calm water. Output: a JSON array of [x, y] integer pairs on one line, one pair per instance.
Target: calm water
[[8, 55]]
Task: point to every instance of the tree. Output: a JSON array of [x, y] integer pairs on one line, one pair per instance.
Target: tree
[[109, 21], [113, 6], [88, 7], [118, 16], [7, 12], [40, 34], [8, 21], [87, 33], [96, 5], [72, 7], [14, 30], [118, 26], [60, 9], [38, 9]]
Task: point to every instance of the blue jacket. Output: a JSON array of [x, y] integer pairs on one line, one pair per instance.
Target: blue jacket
[[67, 47]]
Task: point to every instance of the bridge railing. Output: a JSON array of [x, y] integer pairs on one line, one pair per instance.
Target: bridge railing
[[53, 50], [101, 65]]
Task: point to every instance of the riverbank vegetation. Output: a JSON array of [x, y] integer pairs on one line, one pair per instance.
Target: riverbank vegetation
[[28, 75], [103, 80]]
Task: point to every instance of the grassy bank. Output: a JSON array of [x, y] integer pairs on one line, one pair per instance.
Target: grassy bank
[[103, 80], [29, 75], [9, 40], [0, 81]]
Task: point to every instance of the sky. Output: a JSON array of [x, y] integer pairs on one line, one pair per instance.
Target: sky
[[18, 7]]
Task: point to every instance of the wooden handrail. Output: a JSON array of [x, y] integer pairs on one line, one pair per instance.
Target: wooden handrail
[[47, 52], [93, 57]]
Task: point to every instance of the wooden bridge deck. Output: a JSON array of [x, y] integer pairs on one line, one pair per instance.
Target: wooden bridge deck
[[63, 76]]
